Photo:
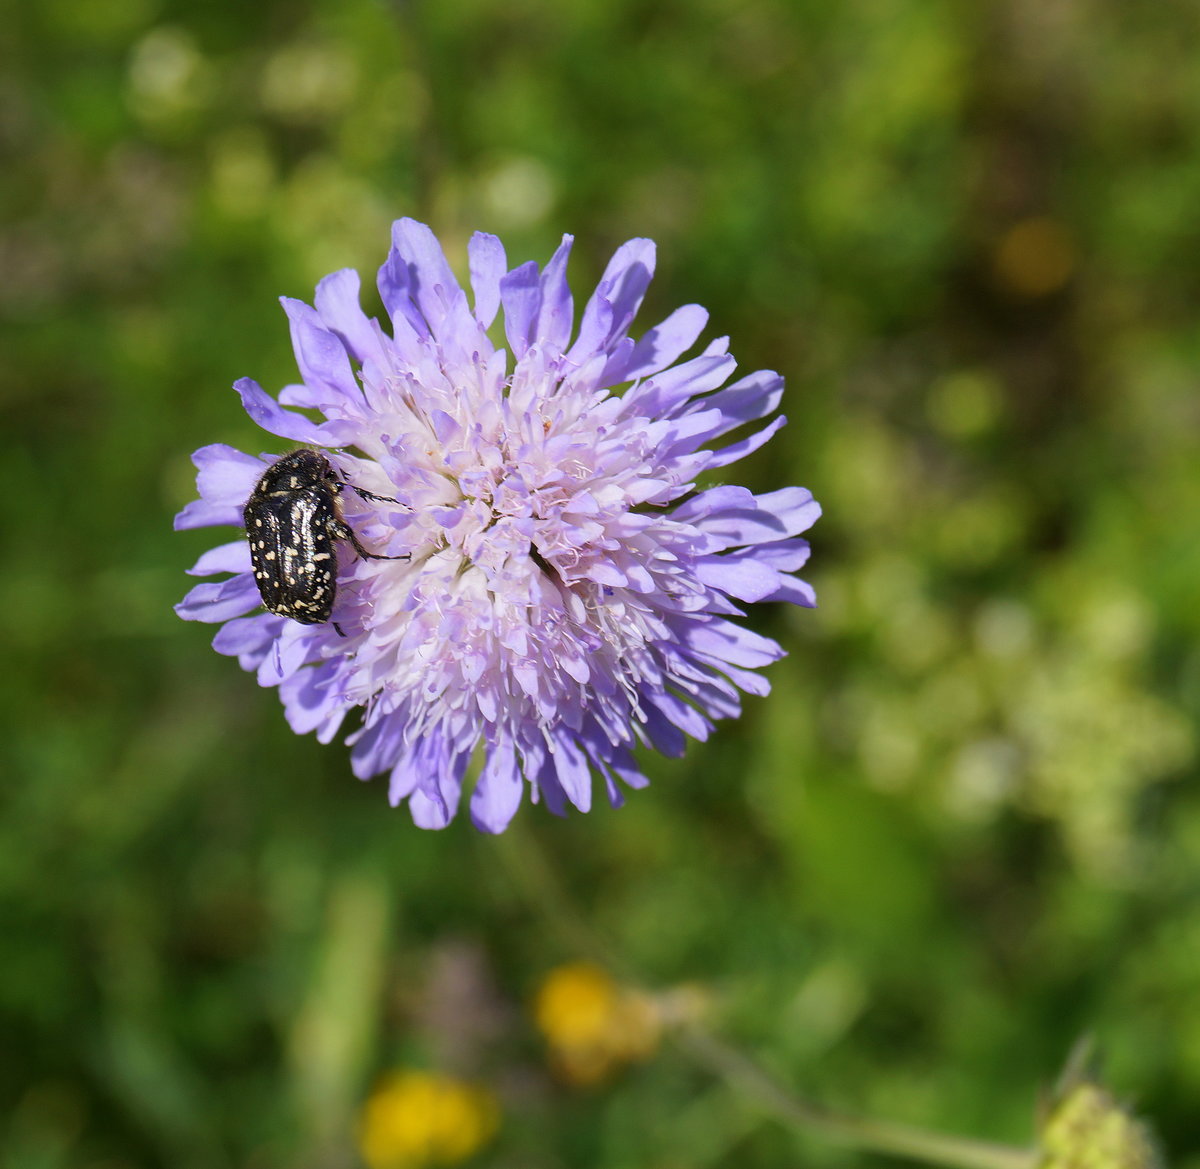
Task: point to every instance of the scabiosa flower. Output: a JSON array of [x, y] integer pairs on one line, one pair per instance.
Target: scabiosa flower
[[568, 592]]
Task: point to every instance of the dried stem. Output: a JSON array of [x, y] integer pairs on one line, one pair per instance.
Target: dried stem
[[538, 880]]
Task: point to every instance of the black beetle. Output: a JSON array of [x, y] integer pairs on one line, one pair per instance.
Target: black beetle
[[292, 518]]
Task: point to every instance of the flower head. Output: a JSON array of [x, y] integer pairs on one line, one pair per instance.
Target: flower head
[[593, 1024], [568, 592], [415, 1119], [1088, 1127]]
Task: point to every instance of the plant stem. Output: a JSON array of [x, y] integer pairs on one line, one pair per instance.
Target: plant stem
[[879, 1136], [528, 864]]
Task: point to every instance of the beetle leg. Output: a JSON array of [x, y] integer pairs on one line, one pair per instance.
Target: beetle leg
[[343, 531]]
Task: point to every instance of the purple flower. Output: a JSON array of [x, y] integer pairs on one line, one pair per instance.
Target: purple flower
[[569, 592]]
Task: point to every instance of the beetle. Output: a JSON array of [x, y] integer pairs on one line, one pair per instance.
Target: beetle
[[292, 518]]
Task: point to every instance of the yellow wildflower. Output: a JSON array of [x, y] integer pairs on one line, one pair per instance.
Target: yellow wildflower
[[416, 1119], [592, 1024]]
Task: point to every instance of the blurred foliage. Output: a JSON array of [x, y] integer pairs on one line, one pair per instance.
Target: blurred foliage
[[962, 830]]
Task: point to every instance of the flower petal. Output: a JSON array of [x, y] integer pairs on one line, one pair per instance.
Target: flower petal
[[416, 281], [747, 446], [662, 395], [732, 516], [214, 601], [747, 400], [225, 479], [611, 309], [377, 745], [497, 794], [795, 591], [231, 557], [782, 555], [741, 577], [571, 768], [274, 418], [659, 347], [521, 295], [322, 358], [726, 642], [290, 653], [488, 265], [311, 700], [556, 310], [340, 309], [248, 639]]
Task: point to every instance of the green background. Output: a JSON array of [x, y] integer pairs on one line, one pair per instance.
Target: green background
[[962, 831]]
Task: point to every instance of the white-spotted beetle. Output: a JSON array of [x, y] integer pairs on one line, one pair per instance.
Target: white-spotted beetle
[[292, 518]]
